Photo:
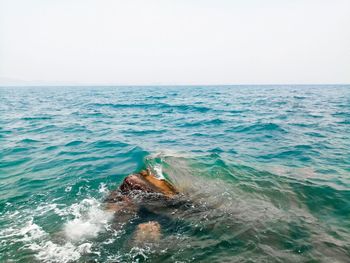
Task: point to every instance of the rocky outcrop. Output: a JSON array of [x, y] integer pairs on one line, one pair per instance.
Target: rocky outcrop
[[138, 193], [142, 182]]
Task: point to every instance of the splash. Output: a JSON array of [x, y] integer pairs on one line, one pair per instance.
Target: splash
[[51, 252], [89, 220]]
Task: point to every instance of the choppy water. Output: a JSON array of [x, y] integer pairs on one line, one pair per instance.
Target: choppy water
[[267, 168]]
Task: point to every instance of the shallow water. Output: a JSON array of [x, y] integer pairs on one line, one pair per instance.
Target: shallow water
[[267, 169]]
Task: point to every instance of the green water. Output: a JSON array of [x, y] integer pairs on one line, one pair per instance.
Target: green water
[[266, 170]]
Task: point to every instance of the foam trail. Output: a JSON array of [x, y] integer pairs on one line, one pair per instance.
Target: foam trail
[[51, 252], [90, 219]]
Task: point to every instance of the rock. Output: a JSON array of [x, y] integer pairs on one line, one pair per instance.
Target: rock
[[146, 182], [137, 193], [147, 232], [137, 189]]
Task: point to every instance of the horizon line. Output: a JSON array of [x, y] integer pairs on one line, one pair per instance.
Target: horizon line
[[169, 85]]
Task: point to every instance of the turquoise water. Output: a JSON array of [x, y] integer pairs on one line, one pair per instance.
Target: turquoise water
[[266, 167]]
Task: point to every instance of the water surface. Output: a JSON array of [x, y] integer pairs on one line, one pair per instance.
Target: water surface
[[267, 169]]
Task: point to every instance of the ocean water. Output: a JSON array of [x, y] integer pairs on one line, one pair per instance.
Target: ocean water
[[267, 169]]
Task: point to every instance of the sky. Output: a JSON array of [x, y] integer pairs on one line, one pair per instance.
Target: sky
[[174, 42]]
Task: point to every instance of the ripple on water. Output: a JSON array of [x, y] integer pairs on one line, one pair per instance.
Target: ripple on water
[[265, 167], [261, 127]]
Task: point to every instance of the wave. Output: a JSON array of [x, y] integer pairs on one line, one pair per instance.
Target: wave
[[162, 106], [37, 118], [230, 201], [267, 183], [145, 132], [260, 127], [74, 143], [205, 122], [28, 140], [85, 220]]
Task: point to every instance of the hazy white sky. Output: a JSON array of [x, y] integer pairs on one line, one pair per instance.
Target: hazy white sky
[[174, 41]]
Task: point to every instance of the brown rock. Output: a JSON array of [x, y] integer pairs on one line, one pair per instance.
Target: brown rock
[[126, 204], [147, 232], [146, 182]]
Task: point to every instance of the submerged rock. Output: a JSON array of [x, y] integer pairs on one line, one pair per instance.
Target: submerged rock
[[140, 183], [139, 194], [147, 232]]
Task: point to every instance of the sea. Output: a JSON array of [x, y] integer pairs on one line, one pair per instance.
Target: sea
[[266, 168]]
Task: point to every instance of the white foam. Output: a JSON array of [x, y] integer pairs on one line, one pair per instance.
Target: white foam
[[103, 189], [142, 252], [113, 258], [31, 231], [15, 214], [89, 220], [45, 208], [158, 171], [37, 240], [84, 220], [51, 252]]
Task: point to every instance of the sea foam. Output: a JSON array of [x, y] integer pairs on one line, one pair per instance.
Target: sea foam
[[89, 220]]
